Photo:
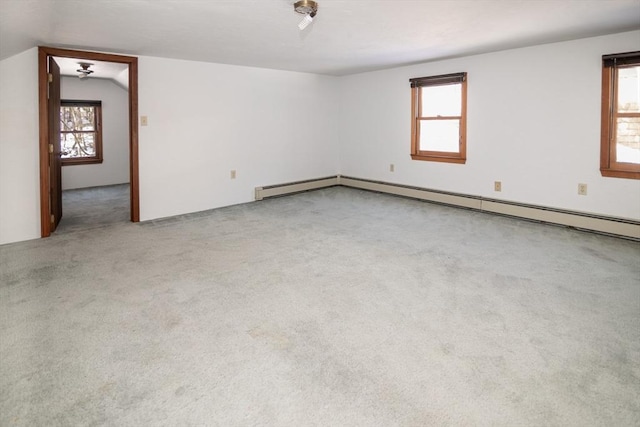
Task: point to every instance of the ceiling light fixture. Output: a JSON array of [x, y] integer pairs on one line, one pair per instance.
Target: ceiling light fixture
[[309, 9], [84, 69]]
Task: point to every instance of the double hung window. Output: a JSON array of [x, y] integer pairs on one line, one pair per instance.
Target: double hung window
[[81, 132], [438, 123], [620, 130]]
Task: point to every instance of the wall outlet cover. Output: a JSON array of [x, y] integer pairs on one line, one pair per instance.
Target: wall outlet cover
[[582, 189]]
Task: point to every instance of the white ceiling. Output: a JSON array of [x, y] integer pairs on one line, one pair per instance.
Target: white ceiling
[[117, 72], [101, 69], [346, 36]]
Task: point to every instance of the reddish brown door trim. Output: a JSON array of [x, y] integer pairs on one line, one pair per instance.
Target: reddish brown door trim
[[43, 53]]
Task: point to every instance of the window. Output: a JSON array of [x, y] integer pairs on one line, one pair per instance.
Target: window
[[439, 118], [81, 132], [620, 134]]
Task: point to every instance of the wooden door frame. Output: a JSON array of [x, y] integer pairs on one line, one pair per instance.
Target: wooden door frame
[[43, 53]]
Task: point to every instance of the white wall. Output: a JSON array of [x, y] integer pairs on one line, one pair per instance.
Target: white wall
[[19, 170], [115, 133], [533, 123], [208, 119]]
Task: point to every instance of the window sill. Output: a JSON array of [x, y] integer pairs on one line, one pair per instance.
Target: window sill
[[616, 173], [442, 159], [84, 161]]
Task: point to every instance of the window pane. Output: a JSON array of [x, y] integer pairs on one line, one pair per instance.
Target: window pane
[[628, 140], [77, 118], [440, 135], [441, 100], [629, 89], [76, 145]]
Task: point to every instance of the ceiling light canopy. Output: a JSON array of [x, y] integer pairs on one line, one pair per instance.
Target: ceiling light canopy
[[309, 9]]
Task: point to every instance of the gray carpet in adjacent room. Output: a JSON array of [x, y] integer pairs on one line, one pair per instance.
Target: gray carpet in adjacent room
[[337, 307], [93, 207]]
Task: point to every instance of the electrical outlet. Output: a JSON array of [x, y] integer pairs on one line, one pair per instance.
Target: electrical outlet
[[392, 167], [144, 121], [582, 189], [233, 174], [497, 186]]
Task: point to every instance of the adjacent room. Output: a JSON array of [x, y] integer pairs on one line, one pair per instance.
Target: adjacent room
[[94, 144], [350, 213]]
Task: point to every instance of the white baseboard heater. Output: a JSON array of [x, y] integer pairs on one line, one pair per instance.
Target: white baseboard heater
[[296, 187], [621, 227]]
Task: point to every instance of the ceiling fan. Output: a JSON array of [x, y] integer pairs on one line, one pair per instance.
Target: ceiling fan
[[309, 9], [84, 69]]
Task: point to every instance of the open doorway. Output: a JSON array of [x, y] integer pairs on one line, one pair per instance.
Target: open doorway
[[94, 143], [51, 151]]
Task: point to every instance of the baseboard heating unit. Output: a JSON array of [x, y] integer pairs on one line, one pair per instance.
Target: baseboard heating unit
[[295, 187], [620, 227]]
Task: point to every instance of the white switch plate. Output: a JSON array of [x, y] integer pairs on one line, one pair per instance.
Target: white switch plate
[[144, 121]]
